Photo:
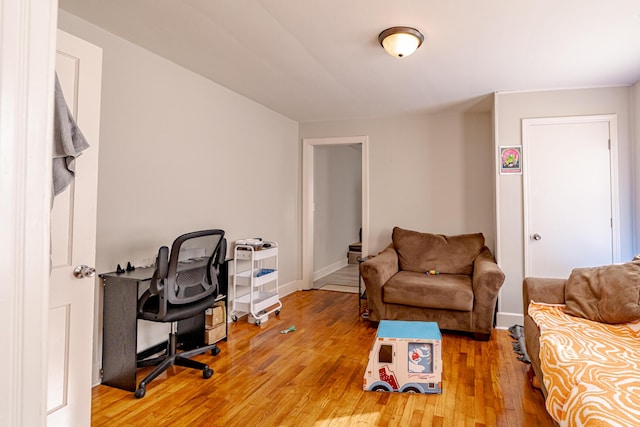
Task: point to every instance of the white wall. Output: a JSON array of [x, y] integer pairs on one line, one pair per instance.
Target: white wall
[[431, 173], [511, 108], [180, 153], [337, 203]]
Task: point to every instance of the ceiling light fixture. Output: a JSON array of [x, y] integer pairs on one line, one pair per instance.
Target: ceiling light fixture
[[400, 41]]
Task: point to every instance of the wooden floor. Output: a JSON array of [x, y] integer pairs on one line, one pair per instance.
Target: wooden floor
[[313, 377], [344, 280]]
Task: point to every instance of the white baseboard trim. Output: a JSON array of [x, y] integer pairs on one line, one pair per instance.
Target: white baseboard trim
[[329, 269], [337, 288], [506, 320], [289, 288]]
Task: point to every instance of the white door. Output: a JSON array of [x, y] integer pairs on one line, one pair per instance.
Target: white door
[[73, 243], [570, 183]]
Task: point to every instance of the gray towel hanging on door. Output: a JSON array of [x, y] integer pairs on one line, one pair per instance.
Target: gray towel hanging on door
[[68, 143]]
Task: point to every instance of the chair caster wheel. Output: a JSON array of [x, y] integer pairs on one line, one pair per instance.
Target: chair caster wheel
[[206, 373], [215, 351], [277, 312], [140, 392]]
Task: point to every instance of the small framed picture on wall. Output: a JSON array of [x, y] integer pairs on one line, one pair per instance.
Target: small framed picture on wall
[[511, 160]]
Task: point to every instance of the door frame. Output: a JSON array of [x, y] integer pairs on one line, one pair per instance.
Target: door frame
[[308, 145], [27, 60], [612, 120]]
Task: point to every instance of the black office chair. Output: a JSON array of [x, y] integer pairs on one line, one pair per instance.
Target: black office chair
[[179, 290]]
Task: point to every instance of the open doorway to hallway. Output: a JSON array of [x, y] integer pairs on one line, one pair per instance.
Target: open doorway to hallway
[[335, 205], [337, 216]]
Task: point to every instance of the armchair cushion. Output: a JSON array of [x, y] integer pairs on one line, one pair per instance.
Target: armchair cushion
[[421, 252], [448, 292]]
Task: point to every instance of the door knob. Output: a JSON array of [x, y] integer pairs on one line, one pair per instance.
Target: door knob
[[537, 237], [82, 271]]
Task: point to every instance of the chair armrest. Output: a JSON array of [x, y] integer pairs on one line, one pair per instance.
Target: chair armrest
[[143, 300], [488, 277], [375, 272], [162, 267]]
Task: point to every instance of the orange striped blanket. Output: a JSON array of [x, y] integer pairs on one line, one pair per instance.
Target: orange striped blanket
[[591, 370]]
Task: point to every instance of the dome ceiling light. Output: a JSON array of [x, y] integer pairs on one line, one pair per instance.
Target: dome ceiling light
[[400, 41]]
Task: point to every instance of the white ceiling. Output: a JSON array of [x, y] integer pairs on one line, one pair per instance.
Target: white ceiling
[[320, 60]]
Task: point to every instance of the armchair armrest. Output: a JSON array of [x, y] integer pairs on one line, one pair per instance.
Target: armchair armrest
[[377, 270], [375, 273], [487, 279], [487, 275]]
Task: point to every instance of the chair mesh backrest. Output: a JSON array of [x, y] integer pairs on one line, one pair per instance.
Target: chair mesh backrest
[[193, 267]]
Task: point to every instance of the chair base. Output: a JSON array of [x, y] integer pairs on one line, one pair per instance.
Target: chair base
[[170, 358]]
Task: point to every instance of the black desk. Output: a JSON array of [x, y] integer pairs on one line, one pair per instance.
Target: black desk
[[119, 324]]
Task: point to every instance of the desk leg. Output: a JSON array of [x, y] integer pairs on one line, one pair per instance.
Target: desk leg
[[119, 331], [224, 290]]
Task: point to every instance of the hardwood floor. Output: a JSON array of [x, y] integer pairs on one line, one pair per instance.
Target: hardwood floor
[[313, 377], [343, 280]]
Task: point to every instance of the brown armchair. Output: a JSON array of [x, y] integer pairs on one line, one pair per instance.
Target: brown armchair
[[461, 295]]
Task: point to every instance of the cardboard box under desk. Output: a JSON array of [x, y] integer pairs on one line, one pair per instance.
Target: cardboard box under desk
[[215, 315], [214, 334]]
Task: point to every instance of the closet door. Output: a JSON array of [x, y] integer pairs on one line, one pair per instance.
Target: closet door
[[570, 194]]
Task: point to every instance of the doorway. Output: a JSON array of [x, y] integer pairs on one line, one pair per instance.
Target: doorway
[[337, 216], [570, 194], [308, 208]]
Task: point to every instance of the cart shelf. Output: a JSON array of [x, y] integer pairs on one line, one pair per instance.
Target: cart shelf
[[259, 277], [245, 252], [261, 301]]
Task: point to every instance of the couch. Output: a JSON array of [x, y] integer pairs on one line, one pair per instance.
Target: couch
[[451, 280], [586, 360]]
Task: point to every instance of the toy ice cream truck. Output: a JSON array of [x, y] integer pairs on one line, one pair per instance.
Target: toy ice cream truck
[[405, 357]]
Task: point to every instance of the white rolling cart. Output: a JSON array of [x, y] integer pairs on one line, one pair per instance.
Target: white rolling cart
[[255, 280]]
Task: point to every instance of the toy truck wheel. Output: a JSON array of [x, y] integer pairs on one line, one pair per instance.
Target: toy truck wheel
[[380, 388], [411, 390]]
